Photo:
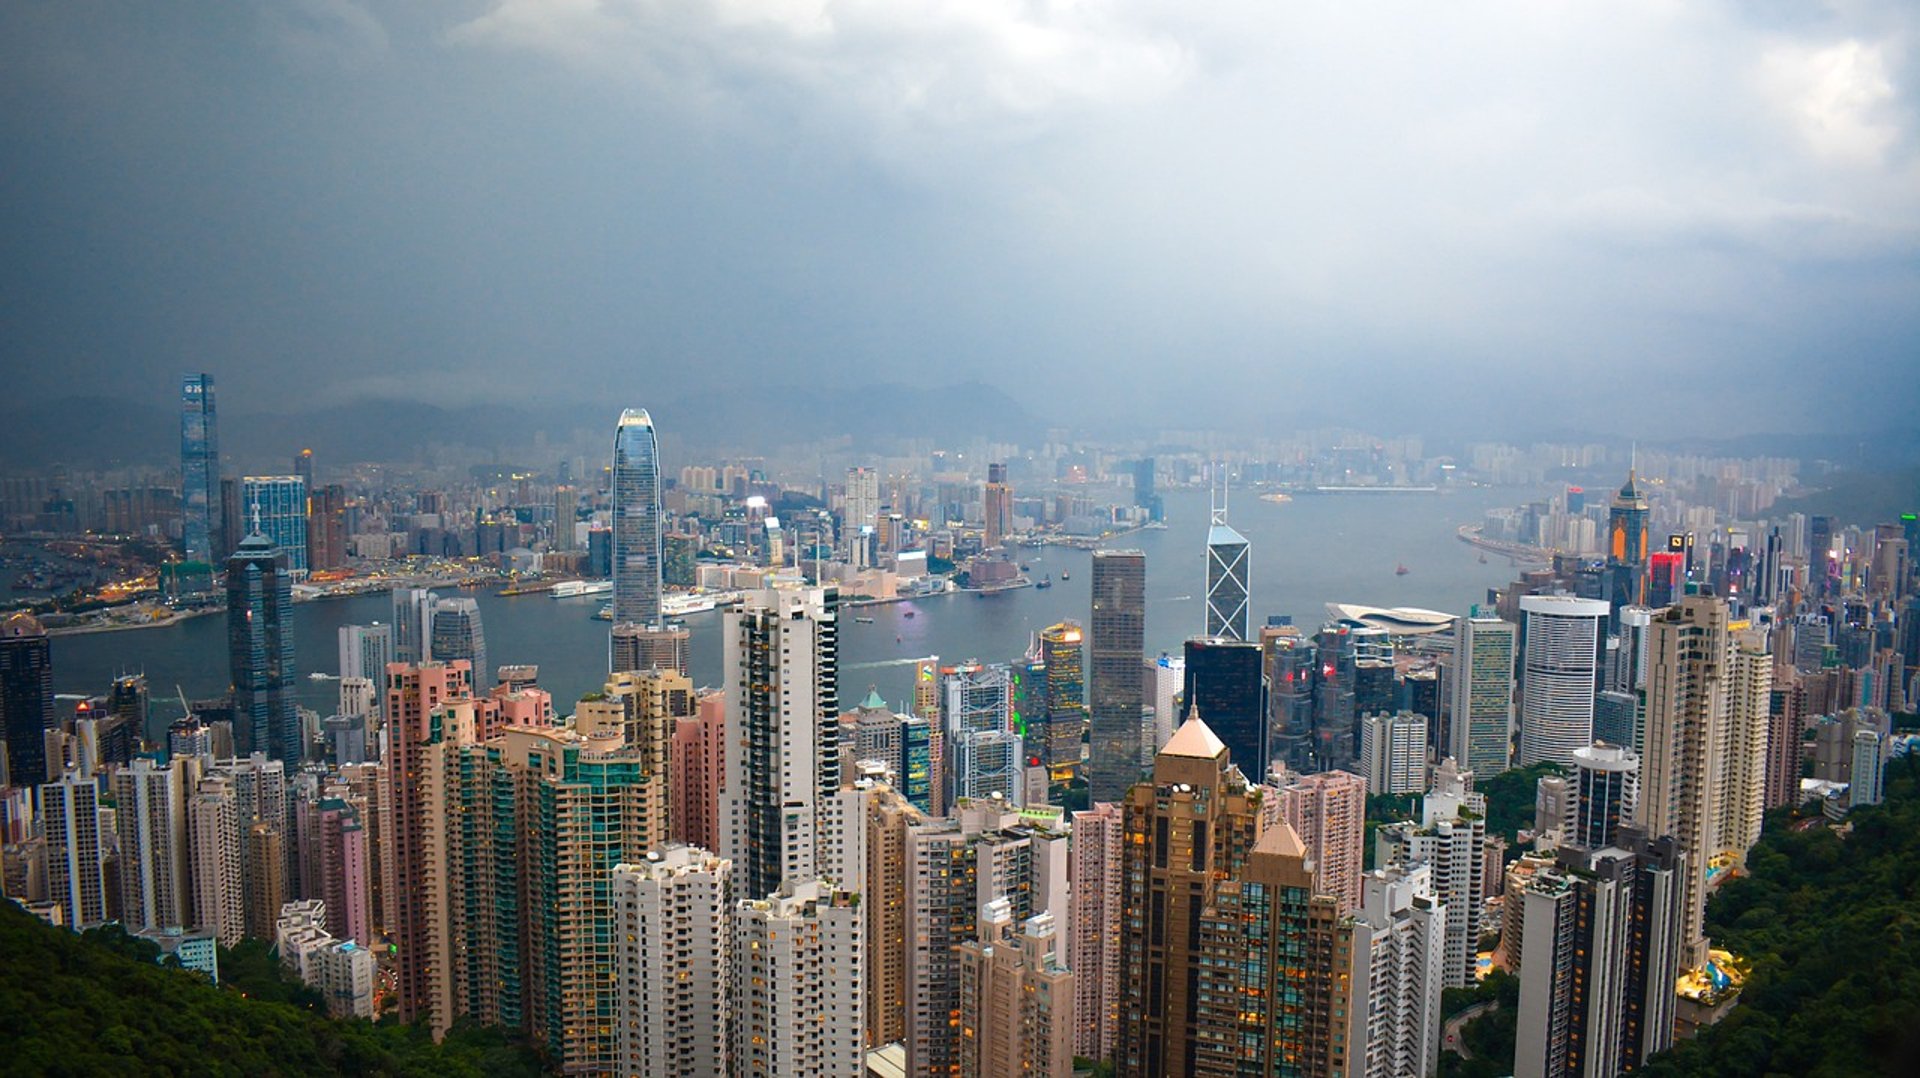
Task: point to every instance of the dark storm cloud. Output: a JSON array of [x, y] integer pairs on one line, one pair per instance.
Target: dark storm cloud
[[1375, 210]]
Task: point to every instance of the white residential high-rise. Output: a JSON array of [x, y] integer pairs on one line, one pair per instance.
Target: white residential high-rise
[[1603, 793], [1481, 736], [861, 516], [673, 916], [151, 818], [217, 864], [798, 999], [1690, 661], [1450, 839], [76, 850], [1393, 751], [1399, 956], [1093, 949], [1741, 775], [1565, 644], [1867, 782], [783, 735]]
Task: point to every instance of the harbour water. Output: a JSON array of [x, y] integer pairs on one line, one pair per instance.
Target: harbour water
[[1305, 553]]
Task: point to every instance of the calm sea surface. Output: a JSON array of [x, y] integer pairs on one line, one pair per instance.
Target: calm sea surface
[[1305, 554]]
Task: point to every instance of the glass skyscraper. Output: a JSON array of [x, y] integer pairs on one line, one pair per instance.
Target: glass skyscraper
[[260, 648], [456, 634], [276, 505], [636, 520], [1226, 686], [1227, 596], [200, 523], [1116, 644]]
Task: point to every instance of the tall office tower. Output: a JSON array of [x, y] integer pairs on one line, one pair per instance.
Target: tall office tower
[[26, 700], [414, 831], [1627, 520], [326, 526], [566, 513], [1606, 790], [264, 846], [1481, 737], [1228, 572], [1290, 670], [1116, 645], [260, 649], [457, 634], [216, 861], [1226, 687], [996, 508], [862, 509], [798, 956], [1564, 648], [1449, 839], [276, 506], [1616, 718], [984, 757], [782, 651], [636, 520], [1328, 812], [233, 518], [1741, 763], [1786, 721], [151, 818], [1393, 751], [76, 849], [1066, 700], [365, 651], [1692, 659], [651, 647], [303, 466], [1093, 951], [1397, 940], [674, 910], [1016, 999], [1599, 959], [1822, 567], [200, 505], [696, 773], [412, 626], [1189, 829], [1335, 716]]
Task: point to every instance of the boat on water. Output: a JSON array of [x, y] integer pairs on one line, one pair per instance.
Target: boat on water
[[864, 620], [1047, 583], [570, 589], [318, 676], [1064, 575], [1483, 559], [909, 613], [1401, 570]]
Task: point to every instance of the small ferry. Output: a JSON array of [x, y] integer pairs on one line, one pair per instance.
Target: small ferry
[[863, 619], [1401, 570], [573, 589]]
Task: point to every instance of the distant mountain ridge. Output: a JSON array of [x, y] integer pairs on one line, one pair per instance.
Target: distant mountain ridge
[[97, 432]]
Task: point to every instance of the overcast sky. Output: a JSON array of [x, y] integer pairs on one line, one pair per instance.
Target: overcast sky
[[1631, 214]]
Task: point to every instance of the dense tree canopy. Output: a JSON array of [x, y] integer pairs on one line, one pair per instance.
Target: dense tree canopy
[[100, 1005], [1830, 920]]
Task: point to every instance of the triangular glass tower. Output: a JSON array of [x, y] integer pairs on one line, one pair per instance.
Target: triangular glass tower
[[1227, 567]]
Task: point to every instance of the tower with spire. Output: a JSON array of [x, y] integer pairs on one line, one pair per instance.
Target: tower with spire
[[1627, 520], [1227, 568]]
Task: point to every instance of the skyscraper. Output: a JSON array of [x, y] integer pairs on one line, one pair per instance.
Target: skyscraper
[[26, 699], [1565, 646], [76, 849], [1451, 839], [1227, 576], [798, 960], [984, 756], [151, 818], [276, 506], [365, 651], [1627, 520], [1329, 812], [675, 911], [457, 634], [200, 504], [1118, 642], [260, 649], [636, 520], [1398, 946], [996, 507], [650, 647], [1481, 737], [1225, 686], [1016, 998], [1093, 952], [1065, 719], [1231, 968], [1606, 781], [783, 748]]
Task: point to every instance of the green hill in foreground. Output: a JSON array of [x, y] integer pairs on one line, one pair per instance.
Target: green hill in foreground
[[77, 1006], [1831, 924]]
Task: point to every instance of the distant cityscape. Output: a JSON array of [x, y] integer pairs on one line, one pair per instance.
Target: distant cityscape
[[1266, 852]]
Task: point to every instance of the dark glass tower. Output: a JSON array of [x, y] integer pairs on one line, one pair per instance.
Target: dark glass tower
[[26, 698], [200, 503], [1114, 693], [260, 648], [455, 633], [636, 520], [1226, 688]]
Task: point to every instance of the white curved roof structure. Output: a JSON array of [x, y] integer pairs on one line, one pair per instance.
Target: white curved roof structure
[[1399, 620]]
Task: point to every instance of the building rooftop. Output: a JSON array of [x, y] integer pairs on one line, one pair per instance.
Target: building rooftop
[[1194, 739]]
